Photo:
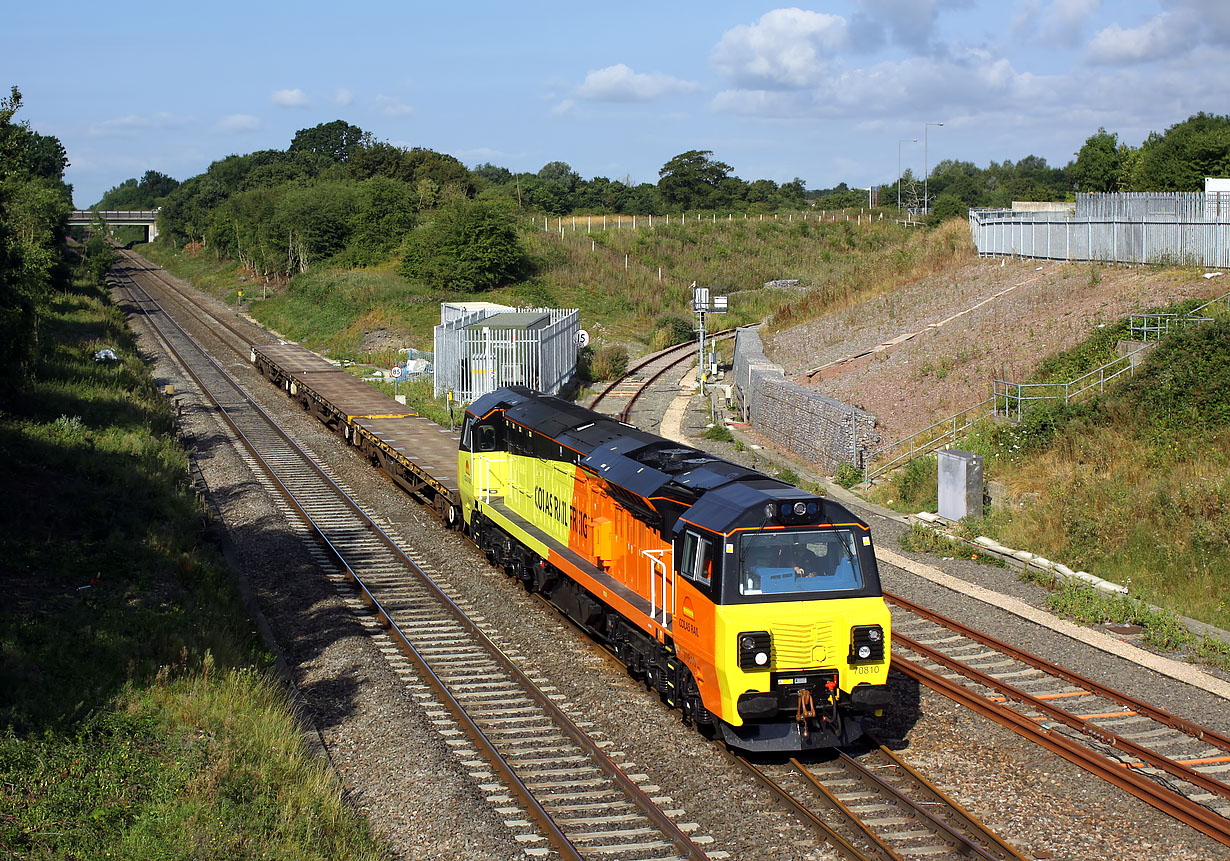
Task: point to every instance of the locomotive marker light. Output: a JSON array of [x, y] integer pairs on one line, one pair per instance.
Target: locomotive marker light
[[703, 303]]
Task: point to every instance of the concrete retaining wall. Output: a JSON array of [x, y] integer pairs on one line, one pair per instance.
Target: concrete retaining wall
[[814, 427]]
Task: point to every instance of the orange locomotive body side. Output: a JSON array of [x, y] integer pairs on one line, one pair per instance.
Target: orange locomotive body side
[[606, 534]]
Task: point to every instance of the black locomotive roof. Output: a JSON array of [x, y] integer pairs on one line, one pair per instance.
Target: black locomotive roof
[[750, 505], [722, 495]]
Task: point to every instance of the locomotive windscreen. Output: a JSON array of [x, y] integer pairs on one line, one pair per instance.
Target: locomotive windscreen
[[783, 563]]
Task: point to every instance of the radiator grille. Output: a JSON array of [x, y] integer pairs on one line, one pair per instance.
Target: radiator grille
[[795, 644]]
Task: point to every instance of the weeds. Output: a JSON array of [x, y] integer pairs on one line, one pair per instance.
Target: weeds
[[1162, 629], [924, 539]]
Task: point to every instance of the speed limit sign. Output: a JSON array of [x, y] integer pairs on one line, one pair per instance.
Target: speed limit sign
[[395, 371], [582, 338]]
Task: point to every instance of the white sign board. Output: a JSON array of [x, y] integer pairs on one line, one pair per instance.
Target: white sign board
[[582, 338]]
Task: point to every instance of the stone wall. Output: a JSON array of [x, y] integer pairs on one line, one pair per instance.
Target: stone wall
[[816, 428]]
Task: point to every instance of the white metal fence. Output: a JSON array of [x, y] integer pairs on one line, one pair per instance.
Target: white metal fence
[[470, 362], [1125, 228]]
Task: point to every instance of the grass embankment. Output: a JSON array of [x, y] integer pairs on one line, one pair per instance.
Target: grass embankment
[[1132, 486], [136, 720], [837, 262]]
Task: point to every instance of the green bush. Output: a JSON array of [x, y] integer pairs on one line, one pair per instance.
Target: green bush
[[471, 245], [609, 362], [669, 330], [1183, 386]]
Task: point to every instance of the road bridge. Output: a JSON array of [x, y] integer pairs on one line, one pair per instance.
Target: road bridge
[[147, 218]]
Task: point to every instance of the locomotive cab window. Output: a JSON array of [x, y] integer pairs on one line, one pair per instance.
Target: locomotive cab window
[[467, 435], [486, 438], [799, 563], [696, 562]]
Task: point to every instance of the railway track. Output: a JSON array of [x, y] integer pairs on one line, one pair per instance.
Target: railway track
[[876, 806], [578, 799], [619, 397], [1149, 760], [1179, 767]]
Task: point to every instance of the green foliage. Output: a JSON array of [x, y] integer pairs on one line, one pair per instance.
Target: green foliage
[[719, 433], [669, 330], [471, 245], [140, 732], [1184, 155], [915, 487], [947, 206], [1162, 630], [608, 362], [34, 207], [1099, 164], [693, 180], [848, 475], [335, 141], [924, 539], [146, 194], [1183, 386], [98, 258]]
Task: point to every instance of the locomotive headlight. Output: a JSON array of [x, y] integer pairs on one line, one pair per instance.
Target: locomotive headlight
[[800, 508], [866, 643], [755, 650]]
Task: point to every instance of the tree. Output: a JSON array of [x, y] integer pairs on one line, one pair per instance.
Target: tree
[[336, 140], [1099, 164], [1180, 159], [692, 179], [146, 194], [472, 245], [34, 206]]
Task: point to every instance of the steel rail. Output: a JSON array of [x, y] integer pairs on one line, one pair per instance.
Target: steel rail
[[649, 359], [625, 415], [1184, 809], [964, 816], [944, 830], [1163, 717], [1102, 734], [552, 831], [836, 839]]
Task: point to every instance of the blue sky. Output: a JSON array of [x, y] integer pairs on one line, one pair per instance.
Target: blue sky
[[824, 92]]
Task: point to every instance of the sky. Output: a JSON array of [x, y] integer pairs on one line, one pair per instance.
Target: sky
[[830, 92]]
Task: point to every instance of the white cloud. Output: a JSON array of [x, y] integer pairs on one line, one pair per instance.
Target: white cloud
[[393, 107], [239, 123], [909, 22], [343, 97], [785, 49], [619, 83], [1168, 36], [1059, 22], [290, 98], [976, 82], [566, 108], [135, 124]]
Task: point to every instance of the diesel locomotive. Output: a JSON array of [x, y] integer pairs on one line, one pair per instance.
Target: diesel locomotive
[[751, 605]]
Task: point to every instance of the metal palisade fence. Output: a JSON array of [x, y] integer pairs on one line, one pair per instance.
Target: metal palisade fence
[[1183, 227], [471, 360]]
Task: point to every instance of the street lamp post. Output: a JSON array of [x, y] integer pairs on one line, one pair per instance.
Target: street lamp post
[[926, 168], [900, 141]]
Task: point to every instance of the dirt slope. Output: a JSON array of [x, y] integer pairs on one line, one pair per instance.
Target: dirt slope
[[1041, 308]]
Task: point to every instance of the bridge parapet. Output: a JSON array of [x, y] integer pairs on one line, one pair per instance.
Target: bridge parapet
[[119, 218]]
